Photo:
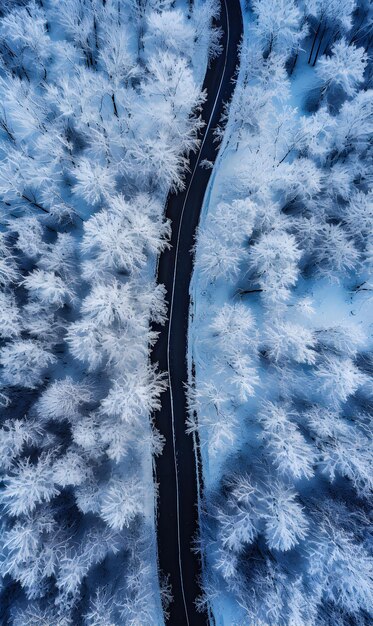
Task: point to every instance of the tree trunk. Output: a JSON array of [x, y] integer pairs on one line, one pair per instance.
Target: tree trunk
[[243, 292], [314, 41], [114, 105], [318, 47], [295, 62]]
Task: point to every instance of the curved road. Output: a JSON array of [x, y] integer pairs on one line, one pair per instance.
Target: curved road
[[177, 470]]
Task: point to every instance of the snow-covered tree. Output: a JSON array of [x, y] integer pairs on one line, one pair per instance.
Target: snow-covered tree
[[101, 609], [135, 394], [304, 179], [347, 339], [35, 613], [332, 10], [48, 288], [94, 182], [215, 416], [206, 33], [119, 238], [285, 521], [236, 528], [107, 304], [218, 259], [343, 448], [60, 257], [286, 340], [274, 261], [117, 56], [279, 25], [41, 322], [10, 319], [289, 451], [71, 469], [316, 133], [358, 215], [84, 340], [30, 484], [233, 329], [29, 232], [344, 68], [339, 377], [335, 252], [26, 35], [342, 567], [221, 245], [24, 362], [170, 30], [137, 606], [355, 123], [14, 436], [63, 399], [9, 273], [121, 502]]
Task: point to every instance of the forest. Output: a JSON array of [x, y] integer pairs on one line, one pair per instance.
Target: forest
[[280, 331], [100, 112]]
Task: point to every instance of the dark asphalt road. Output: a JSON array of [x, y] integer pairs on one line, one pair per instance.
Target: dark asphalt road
[[176, 469]]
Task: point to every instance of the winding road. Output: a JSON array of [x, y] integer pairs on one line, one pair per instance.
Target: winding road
[[177, 470]]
